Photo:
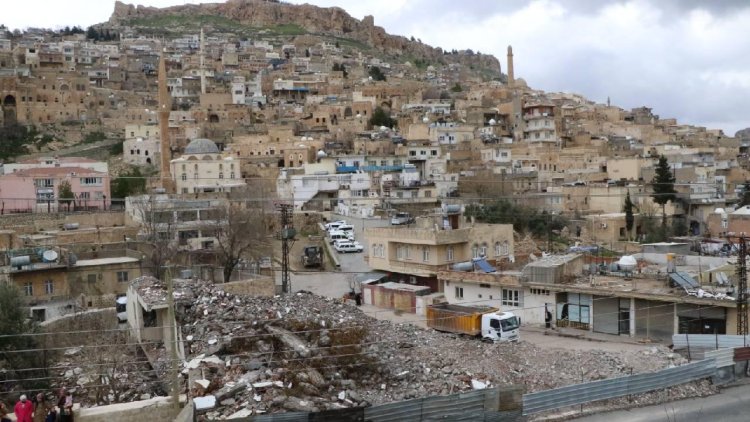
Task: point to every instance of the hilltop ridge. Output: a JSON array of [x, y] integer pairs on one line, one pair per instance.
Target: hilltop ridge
[[315, 20]]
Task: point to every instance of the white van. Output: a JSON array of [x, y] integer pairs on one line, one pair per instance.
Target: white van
[[339, 235], [346, 228]]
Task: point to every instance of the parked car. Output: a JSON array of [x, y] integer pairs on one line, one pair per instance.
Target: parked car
[[345, 247], [339, 235], [333, 225], [121, 309], [401, 218], [346, 228]]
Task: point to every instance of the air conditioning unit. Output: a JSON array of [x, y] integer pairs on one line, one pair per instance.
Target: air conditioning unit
[[604, 225]]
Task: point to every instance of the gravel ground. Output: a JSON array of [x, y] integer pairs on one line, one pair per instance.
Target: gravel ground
[[308, 353]]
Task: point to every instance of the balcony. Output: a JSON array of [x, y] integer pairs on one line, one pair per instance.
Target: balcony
[[415, 236], [368, 169]]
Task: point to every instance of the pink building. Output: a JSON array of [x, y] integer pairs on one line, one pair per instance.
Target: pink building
[[37, 189]]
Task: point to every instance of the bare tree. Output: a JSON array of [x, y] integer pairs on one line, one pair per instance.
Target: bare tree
[[157, 230], [241, 233]]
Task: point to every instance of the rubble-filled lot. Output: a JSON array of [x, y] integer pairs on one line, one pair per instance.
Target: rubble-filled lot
[[308, 353]]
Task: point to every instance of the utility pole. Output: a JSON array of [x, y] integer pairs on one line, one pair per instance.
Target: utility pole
[[173, 373], [287, 239], [742, 287]]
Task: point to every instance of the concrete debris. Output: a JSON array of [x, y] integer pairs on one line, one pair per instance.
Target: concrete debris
[[204, 403], [306, 353], [290, 340]]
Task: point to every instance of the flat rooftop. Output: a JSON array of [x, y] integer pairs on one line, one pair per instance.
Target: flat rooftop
[[105, 261]]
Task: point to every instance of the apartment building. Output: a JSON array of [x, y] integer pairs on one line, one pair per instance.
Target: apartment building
[[416, 253]]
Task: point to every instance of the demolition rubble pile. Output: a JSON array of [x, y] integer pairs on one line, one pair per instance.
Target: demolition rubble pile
[[303, 352]]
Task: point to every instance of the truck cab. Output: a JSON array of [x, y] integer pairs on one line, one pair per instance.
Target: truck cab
[[500, 326]]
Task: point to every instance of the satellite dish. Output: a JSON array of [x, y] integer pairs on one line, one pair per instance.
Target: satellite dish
[[493, 122], [426, 120], [49, 255], [322, 154], [359, 115]]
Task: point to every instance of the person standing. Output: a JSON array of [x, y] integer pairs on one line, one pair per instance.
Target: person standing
[[23, 409], [40, 408], [4, 413], [66, 412]]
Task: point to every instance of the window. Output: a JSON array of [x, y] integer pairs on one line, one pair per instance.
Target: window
[[28, 289], [501, 248], [539, 292], [459, 292], [449, 253], [483, 250], [91, 181], [184, 176], [221, 175], [425, 253], [85, 195], [511, 297], [49, 287], [231, 175], [122, 276], [475, 251], [43, 183], [403, 252], [433, 152], [484, 285], [91, 278]]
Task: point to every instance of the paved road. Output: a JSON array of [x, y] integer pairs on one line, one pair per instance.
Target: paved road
[[731, 405], [354, 262], [336, 283]]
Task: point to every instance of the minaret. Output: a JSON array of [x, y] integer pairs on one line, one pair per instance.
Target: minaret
[[511, 79], [164, 108], [203, 63]]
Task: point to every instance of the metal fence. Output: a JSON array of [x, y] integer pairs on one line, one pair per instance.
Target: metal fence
[[708, 341], [617, 387], [722, 357], [488, 405]]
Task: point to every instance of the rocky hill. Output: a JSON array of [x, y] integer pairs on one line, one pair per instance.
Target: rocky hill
[[287, 19]]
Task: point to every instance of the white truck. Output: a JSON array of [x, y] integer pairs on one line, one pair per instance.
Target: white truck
[[479, 321]]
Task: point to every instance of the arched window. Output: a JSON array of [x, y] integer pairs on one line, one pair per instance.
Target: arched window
[[483, 250], [475, 251]]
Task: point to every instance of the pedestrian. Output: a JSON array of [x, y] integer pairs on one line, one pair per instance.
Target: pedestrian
[[4, 413], [60, 404], [40, 408], [66, 412], [547, 317], [23, 409]]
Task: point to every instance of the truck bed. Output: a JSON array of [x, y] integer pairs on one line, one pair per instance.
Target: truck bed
[[456, 318]]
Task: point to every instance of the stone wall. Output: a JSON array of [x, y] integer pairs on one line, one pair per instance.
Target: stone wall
[[58, 329], [156, 409]]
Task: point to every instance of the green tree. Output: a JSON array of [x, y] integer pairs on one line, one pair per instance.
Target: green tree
[[381, 118], [745, 198], [376, 74], [457, 87], [663, 187], [628, 208], [65, 194], [22, 357], [92, 33], [128, 183]]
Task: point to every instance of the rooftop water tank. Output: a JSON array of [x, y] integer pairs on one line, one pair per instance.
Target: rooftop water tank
[[70, 226], [20, 261]]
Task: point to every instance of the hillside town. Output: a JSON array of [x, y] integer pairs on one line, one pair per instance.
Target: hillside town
[[241, 217]]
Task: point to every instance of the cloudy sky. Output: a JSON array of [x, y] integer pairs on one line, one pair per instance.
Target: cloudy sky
[[684, 58]]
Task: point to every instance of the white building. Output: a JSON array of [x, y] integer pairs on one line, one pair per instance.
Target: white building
[[202, 168]]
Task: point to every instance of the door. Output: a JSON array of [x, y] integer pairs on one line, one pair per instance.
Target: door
[[624, 321], [368, 296]]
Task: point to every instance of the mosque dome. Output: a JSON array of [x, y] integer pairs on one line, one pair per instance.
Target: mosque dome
[[201, 146]]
